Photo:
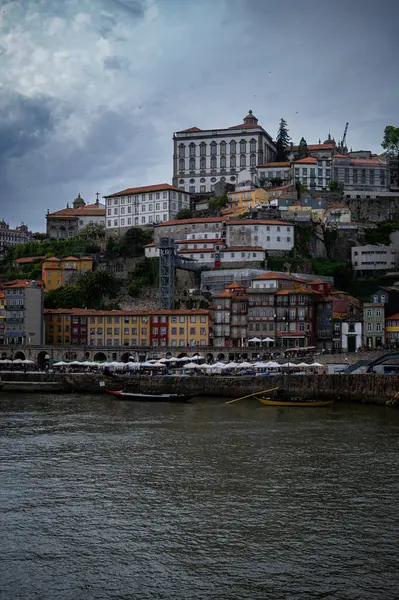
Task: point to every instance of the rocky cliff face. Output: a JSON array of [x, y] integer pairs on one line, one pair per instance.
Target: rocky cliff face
[[375, 210]]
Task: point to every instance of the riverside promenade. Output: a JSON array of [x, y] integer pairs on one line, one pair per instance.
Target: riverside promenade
[[362, 388]]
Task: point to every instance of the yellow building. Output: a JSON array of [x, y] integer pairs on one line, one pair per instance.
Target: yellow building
[[392, 330], [247, 196], [2, 317], [57, 272], [151, 328]]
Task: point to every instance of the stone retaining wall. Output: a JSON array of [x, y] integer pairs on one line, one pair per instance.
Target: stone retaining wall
[[373, 389]]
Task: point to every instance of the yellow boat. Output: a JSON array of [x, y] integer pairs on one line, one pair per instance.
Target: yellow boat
[[293, 402]]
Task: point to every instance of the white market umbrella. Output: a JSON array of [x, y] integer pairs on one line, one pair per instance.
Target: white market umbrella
[[157, 365], [254, 339], [191, 365], [246, 365], [231, 365], [303, 365], [28, 362], [315, 364], [268, 339], [289, 364]]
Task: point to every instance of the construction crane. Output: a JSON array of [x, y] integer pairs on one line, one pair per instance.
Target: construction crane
[[343, 142]]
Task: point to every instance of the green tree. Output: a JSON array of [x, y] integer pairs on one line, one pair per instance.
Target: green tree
[[391, 140], [64, 297], [136, 286], [184, 213], [95, 285], [282, 141], [333, 186], [133, 241], [303, 150], [92, 231], [216, 204]]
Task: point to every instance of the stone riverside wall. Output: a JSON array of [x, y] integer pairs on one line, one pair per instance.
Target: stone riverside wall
[[367, 388]]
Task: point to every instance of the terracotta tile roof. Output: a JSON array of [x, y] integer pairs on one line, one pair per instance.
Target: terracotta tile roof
[[275, 164], [192, 221], [190, 130], [159, 187], [233, 286], [309, 160], [52, 259], [275, 275], [120, 313], [371, 162], [18, 283], [341, 156], [295, 291], [315, 147], [395, 316], [29, 259], [224, 295], [244, 126], [151, 245], [256, 222], [90, 210]]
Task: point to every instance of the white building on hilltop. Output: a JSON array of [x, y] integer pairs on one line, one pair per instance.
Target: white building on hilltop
[[203, 157], [141, 206]]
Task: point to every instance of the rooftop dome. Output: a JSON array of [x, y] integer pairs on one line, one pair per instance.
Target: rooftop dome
[[250, 119]]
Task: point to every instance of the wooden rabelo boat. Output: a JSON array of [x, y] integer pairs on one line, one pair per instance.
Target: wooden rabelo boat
[[139, 397]]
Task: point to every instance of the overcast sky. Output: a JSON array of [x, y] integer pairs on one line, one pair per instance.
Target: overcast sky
[[91, 91]]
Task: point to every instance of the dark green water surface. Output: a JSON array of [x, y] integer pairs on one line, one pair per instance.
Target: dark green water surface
[[103, 499]]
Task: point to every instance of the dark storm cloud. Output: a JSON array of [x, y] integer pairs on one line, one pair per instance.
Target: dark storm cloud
[[100, 85], [25, 124]]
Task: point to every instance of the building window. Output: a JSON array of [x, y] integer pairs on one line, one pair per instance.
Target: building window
[[192, 149], [182, 150], [243, 147], [223, 162], [243, 160], [252, 145], [232, 161], [222, 147], [213, 149], [233, 146], [252, 161], [202, 149], [213, 162], [192, 164], [181, 164], [203, 162]]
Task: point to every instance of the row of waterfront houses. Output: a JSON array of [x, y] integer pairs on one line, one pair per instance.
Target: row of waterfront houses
[[286, 310]]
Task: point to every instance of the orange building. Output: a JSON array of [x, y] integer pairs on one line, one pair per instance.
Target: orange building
[[57, 272], [141, 328]]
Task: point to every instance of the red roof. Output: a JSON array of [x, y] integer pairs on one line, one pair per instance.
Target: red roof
[[29, 259], [275, 275], [309, 160], [18, 283], [190, 130], [275, 164], [368, 162], [233, 286], [159, 187], [315, 147], [395, 316], [89, 210], [244, 126], [256, 222], [232, 249]]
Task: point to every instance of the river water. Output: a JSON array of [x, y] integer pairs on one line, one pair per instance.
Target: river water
[[102, 499]]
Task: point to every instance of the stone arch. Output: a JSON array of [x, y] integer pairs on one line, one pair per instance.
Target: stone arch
[[100, 357], [19, 355], [42, 359], [244, 356], [168, 355], [182, 355], [87, 355], [221, 356], [62, 233], [209, 357], [127, 357], [53, 231]]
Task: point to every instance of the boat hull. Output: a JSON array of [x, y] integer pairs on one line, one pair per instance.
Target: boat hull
[[138, 397], [307, 404]]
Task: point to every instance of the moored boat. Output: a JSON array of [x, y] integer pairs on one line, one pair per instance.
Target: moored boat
[[138, 396], [295, 402]]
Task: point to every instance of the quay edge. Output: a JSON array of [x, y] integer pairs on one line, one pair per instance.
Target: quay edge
[[362, 388]]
